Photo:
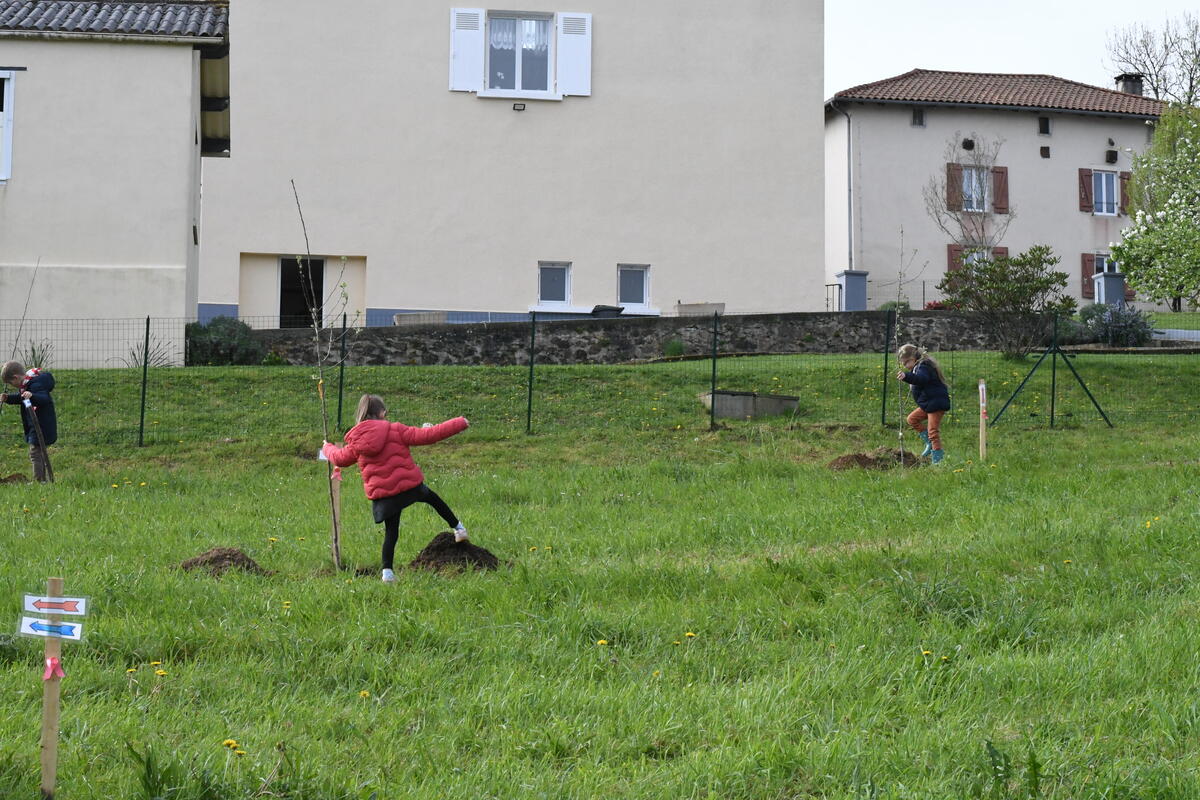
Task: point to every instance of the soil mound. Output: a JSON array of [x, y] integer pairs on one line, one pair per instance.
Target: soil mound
[[220, 560], [445, 553], [882, 458], [16, 477]]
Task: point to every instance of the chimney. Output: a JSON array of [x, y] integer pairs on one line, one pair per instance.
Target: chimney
[[1130, 83]]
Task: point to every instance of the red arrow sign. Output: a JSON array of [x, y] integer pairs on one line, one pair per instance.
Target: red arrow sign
[[58, 605]]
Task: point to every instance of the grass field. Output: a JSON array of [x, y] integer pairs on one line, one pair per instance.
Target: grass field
[[685, 613], [1185, 320]]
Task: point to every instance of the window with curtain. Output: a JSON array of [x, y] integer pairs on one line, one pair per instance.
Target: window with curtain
[[519, 53], [1104, 192], [975, 188]]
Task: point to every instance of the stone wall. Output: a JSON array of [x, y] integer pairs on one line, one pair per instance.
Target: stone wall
[[618, 340]]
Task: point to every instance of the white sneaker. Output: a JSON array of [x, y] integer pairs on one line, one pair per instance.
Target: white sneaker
[[460, 533], [389, 576]]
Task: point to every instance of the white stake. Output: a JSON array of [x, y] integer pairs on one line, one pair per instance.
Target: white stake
[[982, 420]]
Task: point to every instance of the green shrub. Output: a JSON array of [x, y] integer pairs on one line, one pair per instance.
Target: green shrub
[[1122, 326], [673, 348], [896, 305], [223, 341]]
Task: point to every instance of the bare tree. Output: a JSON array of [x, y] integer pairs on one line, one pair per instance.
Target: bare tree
[[969, 199], [1168, 59]]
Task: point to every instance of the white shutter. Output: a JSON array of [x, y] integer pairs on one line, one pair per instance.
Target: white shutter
[[574, 53], [6, 118], [466, 49]]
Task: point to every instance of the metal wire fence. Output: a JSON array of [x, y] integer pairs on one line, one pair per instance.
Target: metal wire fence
[[120, 383]]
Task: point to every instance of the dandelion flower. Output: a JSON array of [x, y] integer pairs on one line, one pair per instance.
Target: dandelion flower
[[131, 670], [1066, 561], [287, 603], [533, 549], [230, 743], [155, 663], [926, 652], [272, 539], [676, 642], [239, 752], [364, 694], [657, 672], [115, 486], [160, 672], [945, 658], [602, 642], [690, 635]]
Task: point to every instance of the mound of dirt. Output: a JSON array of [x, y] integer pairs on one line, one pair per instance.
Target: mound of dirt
[[445, 553], [883, 458], [16, 477], [220, 560]]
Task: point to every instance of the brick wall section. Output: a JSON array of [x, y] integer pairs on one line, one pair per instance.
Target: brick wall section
[[613, 341]]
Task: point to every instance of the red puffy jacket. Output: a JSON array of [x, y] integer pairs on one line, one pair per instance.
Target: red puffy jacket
[[381, 450]]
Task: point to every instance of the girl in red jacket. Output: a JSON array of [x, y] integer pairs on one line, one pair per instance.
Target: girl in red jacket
[[391, 478]]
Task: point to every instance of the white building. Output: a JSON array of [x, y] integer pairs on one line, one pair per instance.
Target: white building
[[481, 163], [1058, 176]]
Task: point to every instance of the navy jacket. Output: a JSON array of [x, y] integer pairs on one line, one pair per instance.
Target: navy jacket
[[39, 386], [927, 389]]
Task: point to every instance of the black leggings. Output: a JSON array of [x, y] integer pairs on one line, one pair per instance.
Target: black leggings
[[399, 502]]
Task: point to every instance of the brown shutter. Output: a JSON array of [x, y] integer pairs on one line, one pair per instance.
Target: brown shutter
[[1124, 178], [954, 253], [1000, 190], [1129, 293], [1085, 191], [999, 252], [1087, 285], [954, 187]]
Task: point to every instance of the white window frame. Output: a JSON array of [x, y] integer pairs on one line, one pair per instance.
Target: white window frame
[[645, 306], [6, 125], [970, 256], [1111, 197], [569, 70], [549, 93], [557, 306], [975, 186]]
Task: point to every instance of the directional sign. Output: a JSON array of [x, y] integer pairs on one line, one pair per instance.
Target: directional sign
[[35, 626], [73, 606]]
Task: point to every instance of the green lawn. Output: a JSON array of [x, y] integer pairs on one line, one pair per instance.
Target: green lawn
[[1021, 626], [1184, 320]]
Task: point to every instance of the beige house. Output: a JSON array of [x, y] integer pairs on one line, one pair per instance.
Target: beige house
[[479, 163], [1005, 161], [106, 112]]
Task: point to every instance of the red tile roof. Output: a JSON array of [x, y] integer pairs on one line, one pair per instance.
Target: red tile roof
[[934, 87], [185, 18]]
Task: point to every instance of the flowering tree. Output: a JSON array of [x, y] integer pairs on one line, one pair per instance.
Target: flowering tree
[[1160, 252]]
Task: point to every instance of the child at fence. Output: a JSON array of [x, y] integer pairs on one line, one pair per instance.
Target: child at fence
[[33, 385], [931, 394], [391, 479]]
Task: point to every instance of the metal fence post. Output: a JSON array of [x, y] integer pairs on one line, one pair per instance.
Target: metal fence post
[[529, 392], [145, 370], [341, 372], [712, 396], [889, 327]]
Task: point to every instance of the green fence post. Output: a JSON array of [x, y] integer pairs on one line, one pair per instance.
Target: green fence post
[[712, 393], [529, 402], [341, 372], [1053, 365], [145, 370], [889, 327]]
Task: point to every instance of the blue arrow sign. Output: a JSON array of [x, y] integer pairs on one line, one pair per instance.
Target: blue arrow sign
[[34, 626]]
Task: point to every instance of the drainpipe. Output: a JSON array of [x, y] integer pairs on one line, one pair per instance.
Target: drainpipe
[[849, 188]]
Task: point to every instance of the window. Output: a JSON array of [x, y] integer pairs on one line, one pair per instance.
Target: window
[[541, 56], [918, 118], [1105, 263], [1104, 192], [6, 119], [633, 285], [554, 283], [975, 188], [301, 289], [1044, 126]]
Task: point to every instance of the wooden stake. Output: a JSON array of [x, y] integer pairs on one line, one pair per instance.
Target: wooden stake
[[982, 421], [51, 695]]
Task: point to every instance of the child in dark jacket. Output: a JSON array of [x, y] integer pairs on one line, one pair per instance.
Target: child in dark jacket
[[391, 479], [33, 385], [931, 394]]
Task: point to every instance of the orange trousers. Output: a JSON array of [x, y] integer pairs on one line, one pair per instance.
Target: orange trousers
[[917, 420]]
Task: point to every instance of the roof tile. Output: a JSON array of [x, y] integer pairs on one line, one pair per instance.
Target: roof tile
[[1000, 89], [192, 18]]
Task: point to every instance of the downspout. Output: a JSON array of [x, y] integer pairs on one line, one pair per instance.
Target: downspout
[[849, 188]]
